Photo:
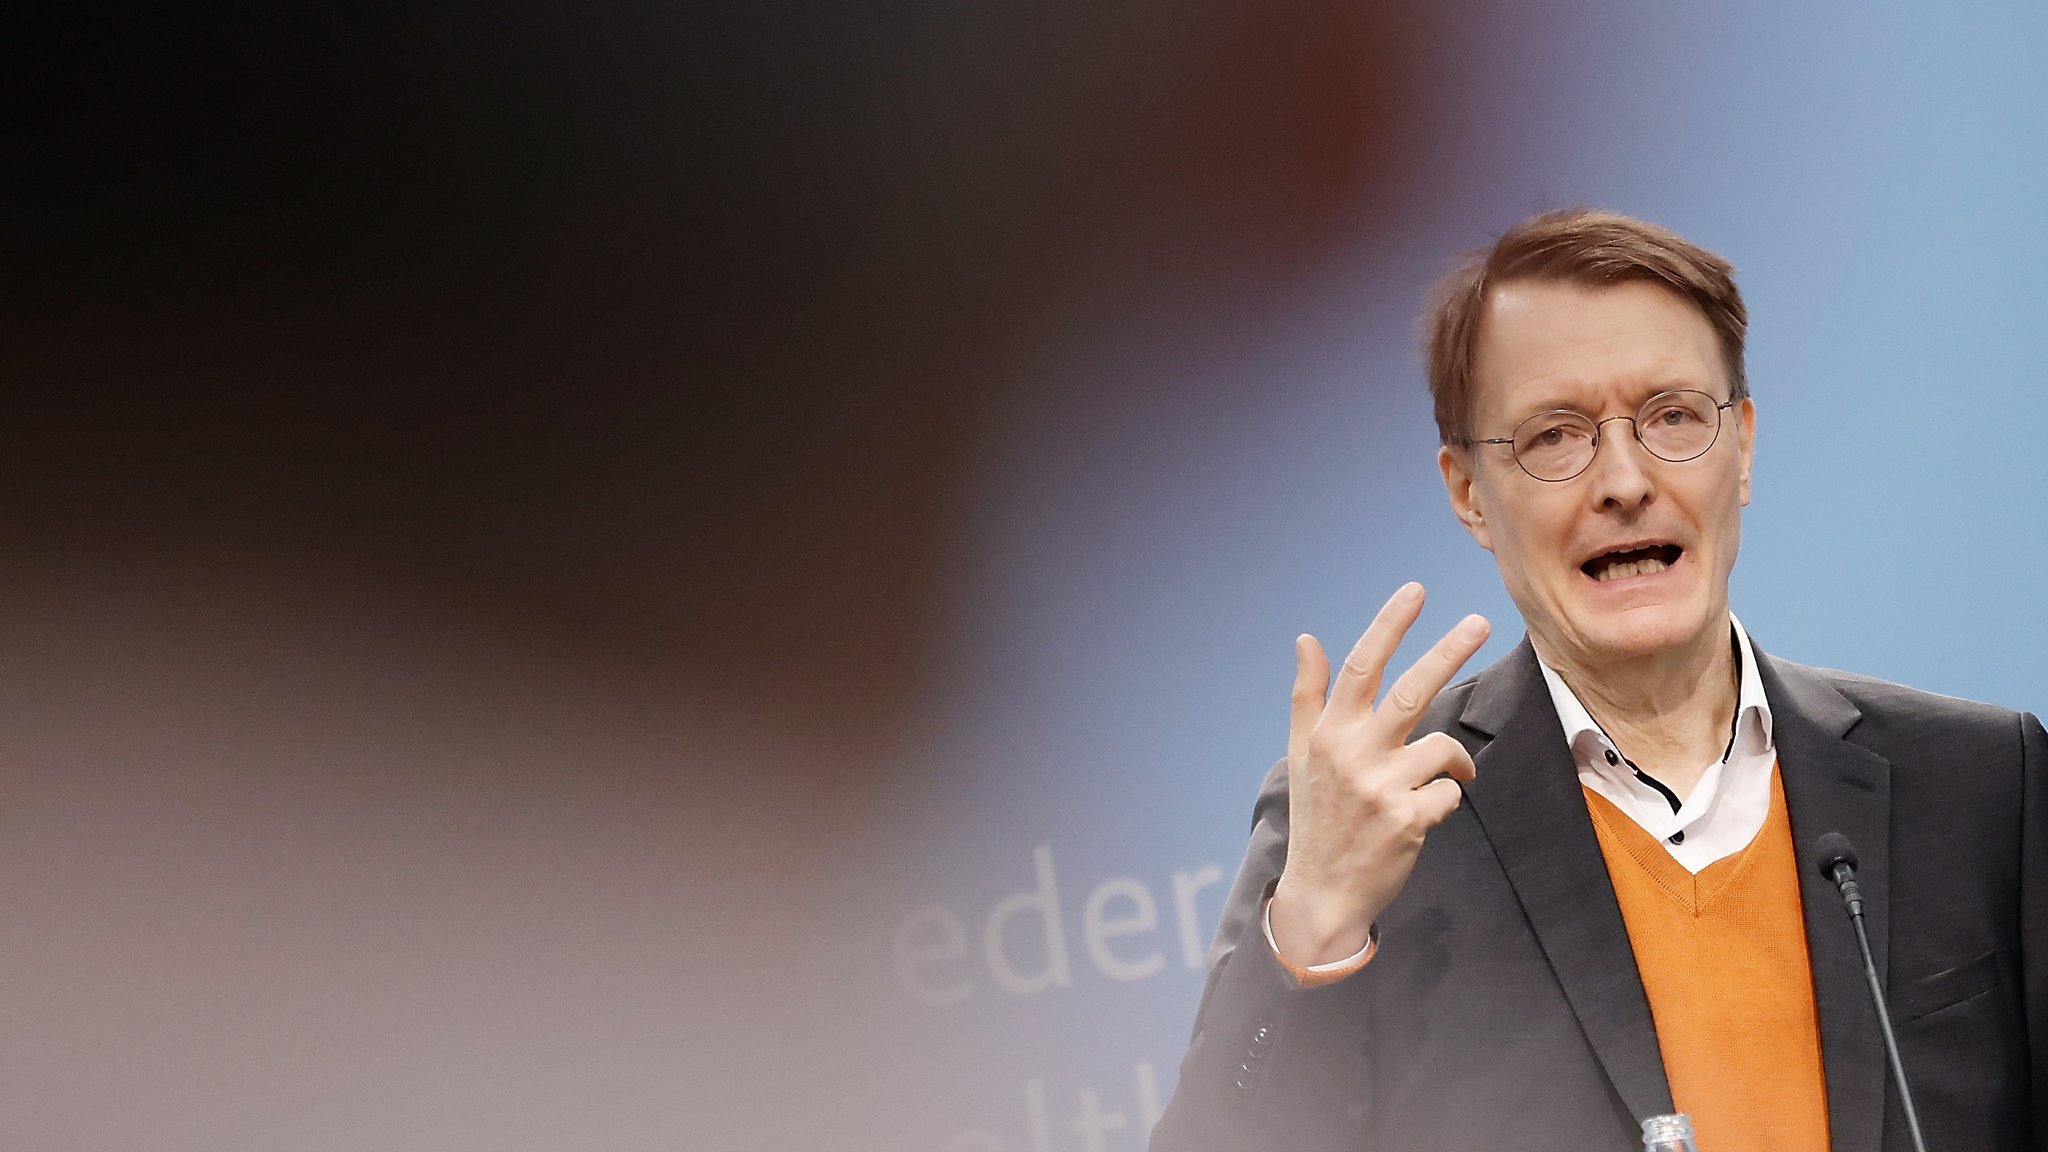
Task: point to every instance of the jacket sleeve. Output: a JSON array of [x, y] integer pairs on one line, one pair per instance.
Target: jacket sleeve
[[2034, 916], [1271, 1064]]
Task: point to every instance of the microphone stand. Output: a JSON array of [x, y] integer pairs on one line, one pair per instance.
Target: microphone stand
[[1843, 872]]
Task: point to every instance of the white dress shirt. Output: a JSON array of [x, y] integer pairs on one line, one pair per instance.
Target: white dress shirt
[[1724, 811]]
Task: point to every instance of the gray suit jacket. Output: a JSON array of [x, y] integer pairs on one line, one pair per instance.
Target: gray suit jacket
[[1504, 1009]]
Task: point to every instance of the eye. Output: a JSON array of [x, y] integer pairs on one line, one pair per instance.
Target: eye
[[1553, 434], [1673, 414]]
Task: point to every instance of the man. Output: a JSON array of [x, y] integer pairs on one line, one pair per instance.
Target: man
[[1532, 909]]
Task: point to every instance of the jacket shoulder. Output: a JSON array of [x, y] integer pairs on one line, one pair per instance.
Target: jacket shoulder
[[1895, 717], [1880, 699]]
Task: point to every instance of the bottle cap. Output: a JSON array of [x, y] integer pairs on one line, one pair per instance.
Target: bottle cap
[[1667, 1129]]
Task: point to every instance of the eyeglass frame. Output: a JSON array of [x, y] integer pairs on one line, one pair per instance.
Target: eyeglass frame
[[1600, 433]]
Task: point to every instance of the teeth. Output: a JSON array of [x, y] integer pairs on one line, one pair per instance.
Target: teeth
[[1623, 571]]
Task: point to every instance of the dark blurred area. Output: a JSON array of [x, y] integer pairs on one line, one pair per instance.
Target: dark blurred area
[[660, 329], [458, 382]]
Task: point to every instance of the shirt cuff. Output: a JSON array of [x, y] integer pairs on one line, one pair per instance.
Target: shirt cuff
[[1317, 975]]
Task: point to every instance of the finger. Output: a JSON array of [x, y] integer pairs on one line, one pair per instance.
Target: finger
[[1436, 800], [1437, 754], [1426, 677], [1359, 680], [1311, 678]]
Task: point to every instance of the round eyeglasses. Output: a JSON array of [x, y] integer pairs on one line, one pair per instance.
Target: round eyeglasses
[[1673, 426]]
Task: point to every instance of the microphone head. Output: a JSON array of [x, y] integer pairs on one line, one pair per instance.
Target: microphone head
[[1833, 848]]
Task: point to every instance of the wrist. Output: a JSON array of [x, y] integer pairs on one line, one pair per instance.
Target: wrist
[[1310, 931]]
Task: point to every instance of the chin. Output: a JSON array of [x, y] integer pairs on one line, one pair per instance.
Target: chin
[[1642, 631]]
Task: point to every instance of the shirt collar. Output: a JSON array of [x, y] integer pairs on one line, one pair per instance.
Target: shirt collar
[[1752, 708], [1752, 724]]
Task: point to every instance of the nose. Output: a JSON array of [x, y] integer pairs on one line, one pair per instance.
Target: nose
[[1620, 471]]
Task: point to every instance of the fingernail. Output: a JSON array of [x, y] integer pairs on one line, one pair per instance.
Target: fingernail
[[1472, 627], [1409, 593], [1301, 643]]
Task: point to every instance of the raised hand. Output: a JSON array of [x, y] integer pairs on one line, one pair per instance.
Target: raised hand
[[1360, 798]]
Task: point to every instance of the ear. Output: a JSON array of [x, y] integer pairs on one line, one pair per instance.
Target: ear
[[1456, 465], [1745, 442]]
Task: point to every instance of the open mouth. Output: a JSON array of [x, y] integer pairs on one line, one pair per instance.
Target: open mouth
[[1627, 562]]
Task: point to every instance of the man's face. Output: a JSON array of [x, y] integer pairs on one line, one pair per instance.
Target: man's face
[[1565, 549]]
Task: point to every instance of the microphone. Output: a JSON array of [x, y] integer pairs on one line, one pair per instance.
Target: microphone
[[1836, 859]]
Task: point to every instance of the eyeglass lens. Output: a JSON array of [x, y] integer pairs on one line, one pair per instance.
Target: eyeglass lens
[[1674, 426]]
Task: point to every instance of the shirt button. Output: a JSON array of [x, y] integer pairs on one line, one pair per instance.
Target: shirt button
[[1678, 837], [1612, 759]]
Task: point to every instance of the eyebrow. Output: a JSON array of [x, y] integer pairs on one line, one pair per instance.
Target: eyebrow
[[1554, 403]]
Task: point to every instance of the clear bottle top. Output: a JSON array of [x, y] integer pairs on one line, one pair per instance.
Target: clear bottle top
[[1671, 1133]]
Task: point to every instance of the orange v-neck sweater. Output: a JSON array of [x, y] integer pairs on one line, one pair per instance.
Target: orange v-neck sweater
[[1723, 959]]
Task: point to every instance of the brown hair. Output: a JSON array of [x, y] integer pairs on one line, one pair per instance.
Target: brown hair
[[1577, 246]]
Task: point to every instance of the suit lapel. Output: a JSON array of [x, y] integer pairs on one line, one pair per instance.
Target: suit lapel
[[1832, 785], [1528, 799]]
